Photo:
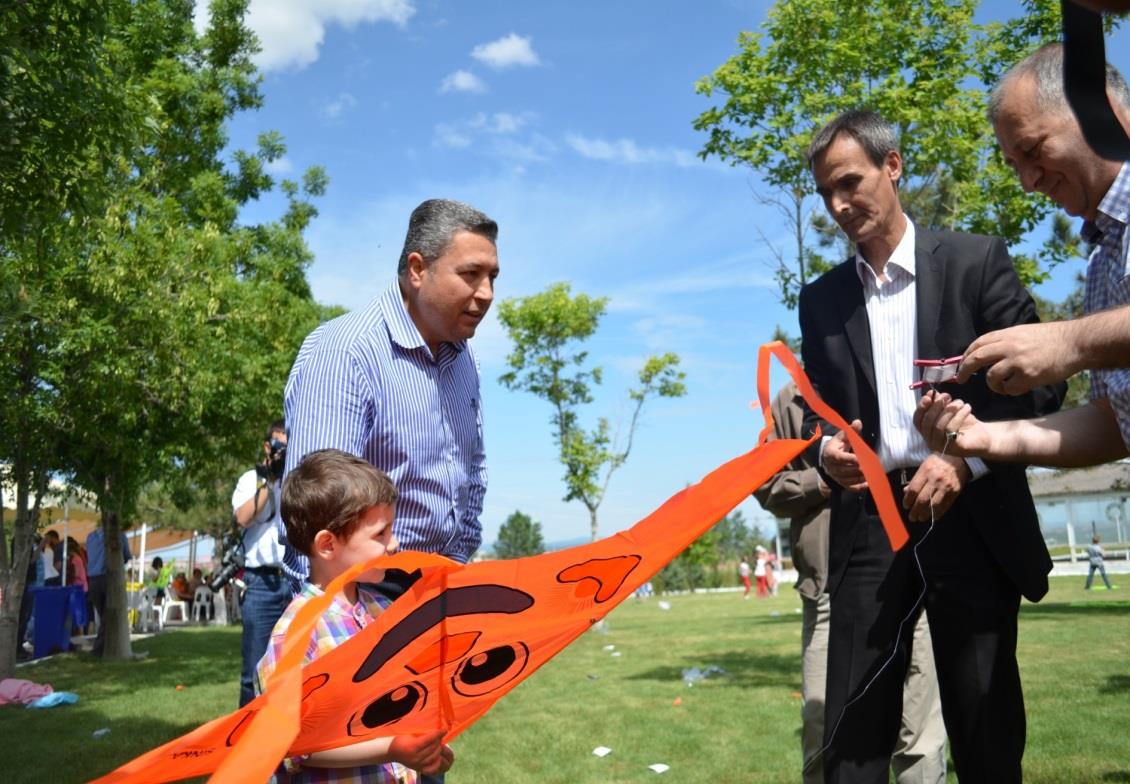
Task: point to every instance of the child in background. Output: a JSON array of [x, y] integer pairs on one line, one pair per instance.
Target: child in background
[[338, 511]]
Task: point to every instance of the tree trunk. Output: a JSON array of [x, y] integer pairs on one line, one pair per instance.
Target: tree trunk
[[13, 572], [117, 644], [592, 522]]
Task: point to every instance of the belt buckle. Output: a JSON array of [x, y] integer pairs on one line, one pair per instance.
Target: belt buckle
[[904, 476]]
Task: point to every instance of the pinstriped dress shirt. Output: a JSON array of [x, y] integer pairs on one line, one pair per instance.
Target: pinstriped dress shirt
[[367, 383], [892, 312]]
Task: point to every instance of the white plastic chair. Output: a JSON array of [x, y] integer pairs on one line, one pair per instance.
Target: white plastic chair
[[147, 611], [170, 604], [201, 603]]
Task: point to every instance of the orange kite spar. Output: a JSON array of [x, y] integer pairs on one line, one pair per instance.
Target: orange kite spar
[[463, 636]]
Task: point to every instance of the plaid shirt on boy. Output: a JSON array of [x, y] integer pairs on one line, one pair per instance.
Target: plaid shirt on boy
[[338, 623]]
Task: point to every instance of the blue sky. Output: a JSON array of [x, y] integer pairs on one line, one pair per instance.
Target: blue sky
[[569, 124]]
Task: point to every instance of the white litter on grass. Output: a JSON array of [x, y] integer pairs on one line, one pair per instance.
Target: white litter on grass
[[609, 647], [601, 751], [101, 732], [615, 654], [659, 767], [664, 605], [797, 610], [774, 614]]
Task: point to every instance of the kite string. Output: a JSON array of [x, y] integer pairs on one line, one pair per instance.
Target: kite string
[[819, 755]]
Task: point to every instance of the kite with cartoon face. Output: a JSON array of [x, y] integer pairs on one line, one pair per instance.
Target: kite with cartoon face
[[461, 637]]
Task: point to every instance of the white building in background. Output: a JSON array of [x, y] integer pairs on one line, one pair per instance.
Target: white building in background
[[1079, 503]]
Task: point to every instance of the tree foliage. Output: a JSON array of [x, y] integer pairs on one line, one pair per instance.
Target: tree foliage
[[545, 329], [150, 329], [519, 537], [925, 67]]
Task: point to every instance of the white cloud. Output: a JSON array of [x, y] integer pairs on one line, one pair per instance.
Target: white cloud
[[451, 136], [510, 50], [279, 166], [291, 31], [334, 108], [626, 151], [462, 82]]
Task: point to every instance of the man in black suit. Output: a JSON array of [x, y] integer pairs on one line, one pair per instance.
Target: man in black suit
[[909, 293]]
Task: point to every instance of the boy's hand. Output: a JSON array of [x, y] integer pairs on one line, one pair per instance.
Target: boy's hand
[[424, 753]]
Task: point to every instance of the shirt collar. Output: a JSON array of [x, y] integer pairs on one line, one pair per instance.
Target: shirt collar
[[368, 600], [401, 328], [902, 256], [1113, 211]]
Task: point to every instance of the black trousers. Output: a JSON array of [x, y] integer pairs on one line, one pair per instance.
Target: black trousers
[[972, 608]]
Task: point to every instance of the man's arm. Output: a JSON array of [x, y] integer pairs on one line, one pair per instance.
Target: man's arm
[[471, 527], [1083, 436], [249, 498], [1024, 357], [792, 492]]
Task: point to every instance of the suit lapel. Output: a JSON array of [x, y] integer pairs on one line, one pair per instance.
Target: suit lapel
[[929, 284], [853, 314]]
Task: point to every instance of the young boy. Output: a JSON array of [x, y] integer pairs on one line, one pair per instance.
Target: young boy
[[338, 511]]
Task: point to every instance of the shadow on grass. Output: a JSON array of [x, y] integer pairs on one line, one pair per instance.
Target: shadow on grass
[[1075, 608], [1117, 775], [742, 670], [187, 657], [57, 745], [1115, 684]]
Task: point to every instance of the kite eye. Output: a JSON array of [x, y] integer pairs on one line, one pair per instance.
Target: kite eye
[[390, 708], [484, 672]]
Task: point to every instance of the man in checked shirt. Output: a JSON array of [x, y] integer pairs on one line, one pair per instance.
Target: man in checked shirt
[[1041, 139], [396, 383]]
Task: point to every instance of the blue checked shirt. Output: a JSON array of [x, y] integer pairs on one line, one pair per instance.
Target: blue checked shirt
[[1108, 286], [366, 383]]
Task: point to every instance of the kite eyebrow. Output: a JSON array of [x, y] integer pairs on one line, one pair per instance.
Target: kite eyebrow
[[468, 600]]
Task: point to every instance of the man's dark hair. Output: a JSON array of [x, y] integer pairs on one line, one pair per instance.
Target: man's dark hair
[[331, 490], [435, 222], [874, 134], [278, 426]]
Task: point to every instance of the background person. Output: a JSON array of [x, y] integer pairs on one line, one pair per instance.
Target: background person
[[255, 506]]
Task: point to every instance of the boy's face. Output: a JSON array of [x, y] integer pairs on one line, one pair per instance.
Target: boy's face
[[371, 538]]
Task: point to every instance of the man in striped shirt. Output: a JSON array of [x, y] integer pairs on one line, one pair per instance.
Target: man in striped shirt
[[396, 382]]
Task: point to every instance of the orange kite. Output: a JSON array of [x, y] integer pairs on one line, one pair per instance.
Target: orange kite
[[463, 636]]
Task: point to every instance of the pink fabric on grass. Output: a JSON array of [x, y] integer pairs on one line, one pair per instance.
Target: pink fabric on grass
[[21, 691]]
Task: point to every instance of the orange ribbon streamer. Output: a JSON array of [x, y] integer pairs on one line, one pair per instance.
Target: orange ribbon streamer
[[462, 636]]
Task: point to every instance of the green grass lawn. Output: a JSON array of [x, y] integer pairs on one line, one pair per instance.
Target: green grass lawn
[[741, 727]]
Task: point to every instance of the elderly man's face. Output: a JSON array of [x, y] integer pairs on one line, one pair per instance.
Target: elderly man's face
[[1048, 152]]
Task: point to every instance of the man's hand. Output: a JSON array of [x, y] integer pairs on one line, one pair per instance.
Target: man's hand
[[949, 426], [1024, 357], [424, 753], [938, 482], [841, 463]]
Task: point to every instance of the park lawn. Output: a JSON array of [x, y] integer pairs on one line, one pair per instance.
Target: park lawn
[[742, 726]]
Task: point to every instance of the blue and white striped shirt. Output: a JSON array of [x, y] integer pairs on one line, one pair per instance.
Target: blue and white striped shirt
[[367, 383], [1108, 286]]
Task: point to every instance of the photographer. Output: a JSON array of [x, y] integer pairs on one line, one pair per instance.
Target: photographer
[[255, 504]]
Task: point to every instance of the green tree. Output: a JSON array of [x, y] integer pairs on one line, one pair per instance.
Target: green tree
[[733, 537], [518, 537], [924, 66], [545, 329], [694, 567], [151, 327]]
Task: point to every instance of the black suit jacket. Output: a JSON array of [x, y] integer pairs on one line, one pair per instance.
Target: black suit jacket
[[965, 286]]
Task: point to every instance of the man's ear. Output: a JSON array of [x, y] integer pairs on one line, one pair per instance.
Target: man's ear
[[324, 545], [417, 268], [892, 165]]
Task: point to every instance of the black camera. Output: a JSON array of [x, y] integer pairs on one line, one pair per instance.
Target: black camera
[[272, 468], [232, 561]]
